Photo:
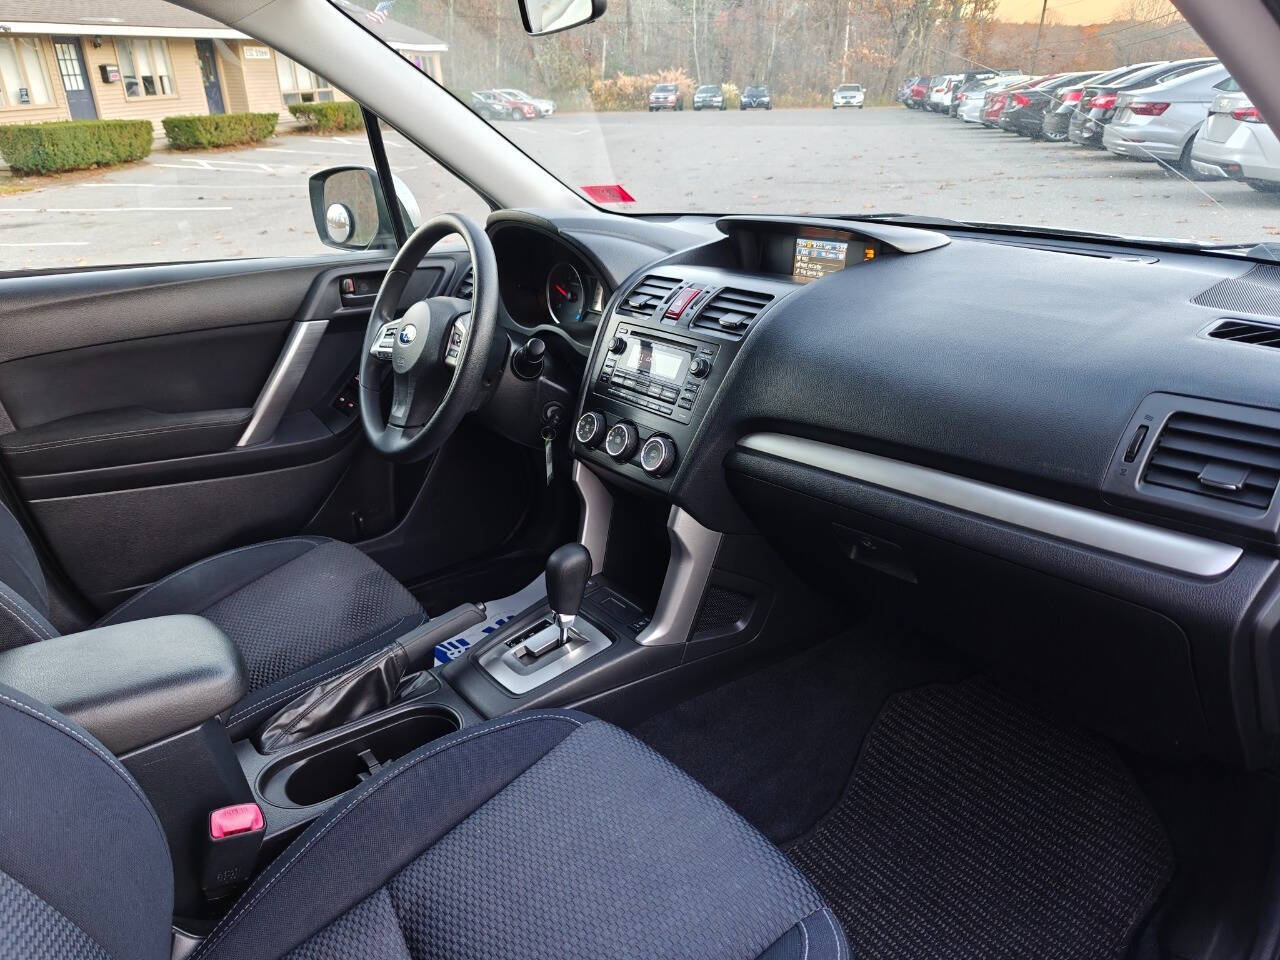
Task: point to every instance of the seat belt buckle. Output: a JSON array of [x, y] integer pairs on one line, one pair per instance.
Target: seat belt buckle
[[234, 839]]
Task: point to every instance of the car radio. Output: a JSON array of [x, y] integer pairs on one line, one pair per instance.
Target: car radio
[[658, 372]]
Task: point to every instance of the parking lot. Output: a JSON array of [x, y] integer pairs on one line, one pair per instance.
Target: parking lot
[[253, 202]]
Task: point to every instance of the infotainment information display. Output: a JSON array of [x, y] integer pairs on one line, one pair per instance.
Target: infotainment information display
[[814, 258]]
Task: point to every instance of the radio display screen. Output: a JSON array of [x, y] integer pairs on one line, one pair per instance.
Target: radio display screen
[[653, 359], [816, 258]]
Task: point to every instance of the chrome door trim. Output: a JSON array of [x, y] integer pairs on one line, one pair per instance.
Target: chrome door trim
[[277, 393]]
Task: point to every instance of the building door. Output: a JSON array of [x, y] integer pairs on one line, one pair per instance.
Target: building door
[[209, 75], [75, 78]]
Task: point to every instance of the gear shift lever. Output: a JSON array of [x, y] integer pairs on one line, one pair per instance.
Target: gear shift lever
[[567, 572]]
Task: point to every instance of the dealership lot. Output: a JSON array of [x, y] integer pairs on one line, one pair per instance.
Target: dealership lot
[[253, 201]]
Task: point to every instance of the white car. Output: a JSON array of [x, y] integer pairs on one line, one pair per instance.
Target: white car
[[545, 107], [848, 95], [970, 108], [939, 100], [1235, 142]]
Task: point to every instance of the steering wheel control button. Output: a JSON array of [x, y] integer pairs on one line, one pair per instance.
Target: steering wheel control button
[[658, 455], [621, 441], [590, 429]]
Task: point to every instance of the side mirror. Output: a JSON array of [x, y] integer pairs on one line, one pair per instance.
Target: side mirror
[[350, 211], [551, 16]]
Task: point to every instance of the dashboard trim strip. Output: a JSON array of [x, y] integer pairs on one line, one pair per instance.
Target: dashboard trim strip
[[1180, 552]]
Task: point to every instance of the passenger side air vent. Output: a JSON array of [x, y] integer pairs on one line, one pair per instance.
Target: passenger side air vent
[[1222, 459], [467, 287], [1246, 331], [647, 294], [731, 311]]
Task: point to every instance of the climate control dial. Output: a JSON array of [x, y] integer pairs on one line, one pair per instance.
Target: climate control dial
[[590, 428], [658, 455], [621, 441]]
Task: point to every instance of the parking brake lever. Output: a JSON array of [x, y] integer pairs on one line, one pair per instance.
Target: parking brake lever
[[371, 685]]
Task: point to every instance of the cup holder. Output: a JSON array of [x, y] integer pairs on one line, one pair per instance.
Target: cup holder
[[319, 772]]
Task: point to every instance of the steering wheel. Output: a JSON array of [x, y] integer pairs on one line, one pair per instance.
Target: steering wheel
[[437, 350]]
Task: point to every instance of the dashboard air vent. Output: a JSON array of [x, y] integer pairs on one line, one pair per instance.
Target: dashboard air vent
[[467, 286], [647, 294], [1246, 331], [731, 311], [1222, 459]]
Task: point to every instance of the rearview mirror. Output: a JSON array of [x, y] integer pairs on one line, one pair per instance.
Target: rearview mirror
[[551, 16], [351, 213]]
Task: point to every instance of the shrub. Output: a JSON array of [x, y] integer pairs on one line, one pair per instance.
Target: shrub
[[73, 144], [732, 96], [328, 117], [218, 130], [631, 92]]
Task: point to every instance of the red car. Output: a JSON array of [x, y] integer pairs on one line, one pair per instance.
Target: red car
[[919, 93]]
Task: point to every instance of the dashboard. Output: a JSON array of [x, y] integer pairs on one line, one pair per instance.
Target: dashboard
[[544, 281], [1049, 433]]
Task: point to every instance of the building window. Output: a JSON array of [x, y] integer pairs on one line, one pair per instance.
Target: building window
[[22, 77], [144, 68], [300, 85]]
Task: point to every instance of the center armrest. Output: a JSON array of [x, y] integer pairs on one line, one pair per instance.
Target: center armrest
[[132, 684]]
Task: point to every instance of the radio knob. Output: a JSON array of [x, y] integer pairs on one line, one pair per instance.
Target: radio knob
[[699, 367], [617, 345], [590, 428], [621, 441], [658, 455]]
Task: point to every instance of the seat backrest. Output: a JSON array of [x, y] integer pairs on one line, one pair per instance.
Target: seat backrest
[[85, 872], [24, 599]]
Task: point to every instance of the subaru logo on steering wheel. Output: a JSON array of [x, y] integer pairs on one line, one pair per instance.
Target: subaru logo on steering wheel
[[408, 334]]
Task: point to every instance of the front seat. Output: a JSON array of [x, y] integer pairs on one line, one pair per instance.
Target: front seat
[[544, 835], [300, 609]]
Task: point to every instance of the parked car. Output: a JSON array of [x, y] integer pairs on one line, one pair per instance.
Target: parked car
[[756, 97], [1098, 101], [665, 96], [544, 107], [1056, 122], [995, 103], [1235, 142], [966, 80], [709, 96], [918, 93], [904, 89], [1024, 113], [940, 93], [1160, 122], [494, 105], [973, 102], [848, 95]]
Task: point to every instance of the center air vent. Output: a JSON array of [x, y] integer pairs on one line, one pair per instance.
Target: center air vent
[[1246, 331], [731, 311], [1219, 459], [467, 286], [646, 295]]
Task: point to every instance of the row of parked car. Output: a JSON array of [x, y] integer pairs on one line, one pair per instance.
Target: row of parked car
[[510, 104], [1189, 115], [710, 96]]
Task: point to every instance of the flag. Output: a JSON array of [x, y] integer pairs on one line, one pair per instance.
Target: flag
[[379, 13]]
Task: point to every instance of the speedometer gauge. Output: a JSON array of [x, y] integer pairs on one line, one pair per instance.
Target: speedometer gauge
[[566, 297]]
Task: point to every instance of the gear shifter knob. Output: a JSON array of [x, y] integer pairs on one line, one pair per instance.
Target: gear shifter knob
[[567, 572]]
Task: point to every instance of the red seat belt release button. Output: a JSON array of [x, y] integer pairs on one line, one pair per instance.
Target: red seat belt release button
[[241, 818]]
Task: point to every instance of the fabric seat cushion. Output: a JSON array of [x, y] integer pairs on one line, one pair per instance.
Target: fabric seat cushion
[[299, 609], [548, 834]]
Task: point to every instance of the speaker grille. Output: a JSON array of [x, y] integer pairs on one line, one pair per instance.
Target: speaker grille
[[1256, 292], [722, 608]]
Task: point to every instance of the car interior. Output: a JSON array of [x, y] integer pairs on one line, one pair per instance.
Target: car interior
[[576, 584]]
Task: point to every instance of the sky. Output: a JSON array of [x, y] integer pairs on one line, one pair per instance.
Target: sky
[[1063, 11]]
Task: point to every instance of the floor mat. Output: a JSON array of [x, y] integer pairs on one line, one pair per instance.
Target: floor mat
[[975, 827]]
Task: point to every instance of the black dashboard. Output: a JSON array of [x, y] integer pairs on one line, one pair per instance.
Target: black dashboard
[[1054, 436]]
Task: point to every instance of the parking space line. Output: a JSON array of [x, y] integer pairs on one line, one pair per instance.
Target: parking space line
[[49, 243], [109, 209]]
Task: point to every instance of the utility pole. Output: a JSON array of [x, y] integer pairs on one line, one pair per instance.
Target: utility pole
[[1035, 53]]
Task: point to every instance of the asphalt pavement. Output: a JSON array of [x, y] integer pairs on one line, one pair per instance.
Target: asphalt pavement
[[253, 201]]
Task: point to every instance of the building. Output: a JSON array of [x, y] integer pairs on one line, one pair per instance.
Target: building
[[148, 59]]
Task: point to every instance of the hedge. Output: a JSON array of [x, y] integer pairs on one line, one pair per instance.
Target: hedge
[[64, 145], [218, 130], [329, 117], [631, 91]]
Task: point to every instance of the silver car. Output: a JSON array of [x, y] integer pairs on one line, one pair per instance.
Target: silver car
[[1159, 122], [970, 109], [1235, 142]]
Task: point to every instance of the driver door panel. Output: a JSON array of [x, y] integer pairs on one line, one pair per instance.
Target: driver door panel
[[153, 416]]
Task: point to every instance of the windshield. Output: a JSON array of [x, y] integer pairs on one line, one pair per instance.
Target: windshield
[[915, 144]]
